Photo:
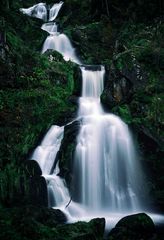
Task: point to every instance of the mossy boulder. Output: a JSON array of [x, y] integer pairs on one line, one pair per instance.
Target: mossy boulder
[[134, 227], [32, 168], [92, 230]]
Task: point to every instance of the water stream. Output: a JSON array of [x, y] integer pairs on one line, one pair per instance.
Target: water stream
[[105, 169], [108, 178], [41, 11]]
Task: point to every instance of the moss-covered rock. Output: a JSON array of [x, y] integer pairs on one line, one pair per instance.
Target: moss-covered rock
[[137, 226], [32, 222]]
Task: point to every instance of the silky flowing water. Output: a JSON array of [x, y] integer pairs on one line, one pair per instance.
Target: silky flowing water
[[108, 180]]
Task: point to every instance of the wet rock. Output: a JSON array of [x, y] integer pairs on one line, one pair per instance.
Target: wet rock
[[137, 226], [50, 217], [92, 67], [118, 89], [99, 226], [35, 184], [120, 85], [32, 168], [66, 153], [38, 191], [77, 82]]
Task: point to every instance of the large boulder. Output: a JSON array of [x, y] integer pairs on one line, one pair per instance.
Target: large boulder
[[38, 191], [66, 153], [32, 168], [133, 227]]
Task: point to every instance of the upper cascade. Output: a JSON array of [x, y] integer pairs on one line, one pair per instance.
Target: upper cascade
[[54, 10], [55, 41], [40, 11], [50, 27], [61, 43]]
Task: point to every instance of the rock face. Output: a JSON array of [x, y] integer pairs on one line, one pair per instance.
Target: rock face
[[118, 90], [122, 84], [66, 153], [36, 184], [33, 168], [134, 227]]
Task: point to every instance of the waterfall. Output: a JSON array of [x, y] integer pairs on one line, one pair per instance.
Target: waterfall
[[45, 155], [106, 171], [50, 27], [107, 178], [60, 43], [40, 11], [54, 10]]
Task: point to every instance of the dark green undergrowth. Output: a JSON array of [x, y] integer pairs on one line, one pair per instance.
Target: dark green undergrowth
[[141, 46], [40, 223], [29, 110], [34, 95]]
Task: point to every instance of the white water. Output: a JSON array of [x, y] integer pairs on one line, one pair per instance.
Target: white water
[[61, 43], [50, 27], [55, 41], [55, 10], [107, 177], [106, 172], [40, 11], [45, 155]]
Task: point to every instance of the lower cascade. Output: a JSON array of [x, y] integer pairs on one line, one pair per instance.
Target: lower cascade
[[107, 178], [106, 171]]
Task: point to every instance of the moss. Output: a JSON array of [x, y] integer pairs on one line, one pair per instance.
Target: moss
[[29, 223], [124, 112]]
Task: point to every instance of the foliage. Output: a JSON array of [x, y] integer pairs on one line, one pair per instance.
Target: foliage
[[33, 95], [30, 222], [124, 112]]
